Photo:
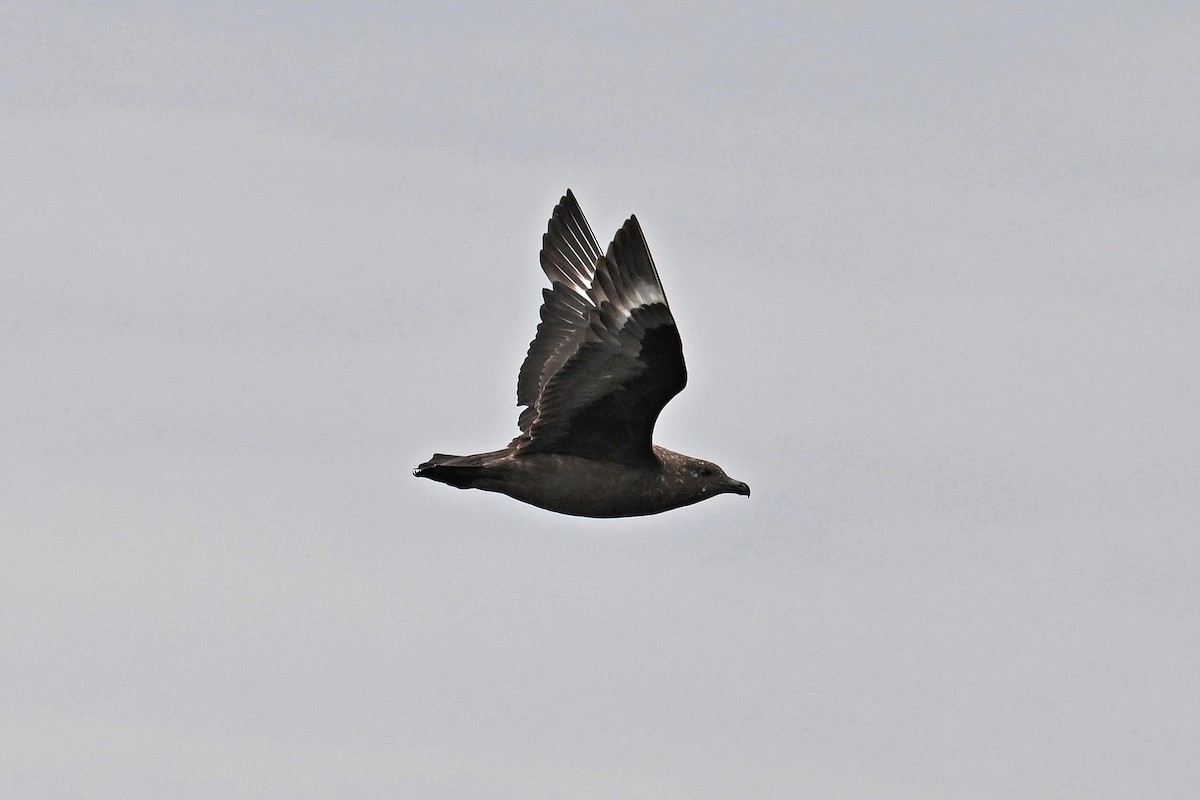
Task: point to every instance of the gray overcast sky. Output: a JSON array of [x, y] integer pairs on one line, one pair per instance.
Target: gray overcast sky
[[935, 268]]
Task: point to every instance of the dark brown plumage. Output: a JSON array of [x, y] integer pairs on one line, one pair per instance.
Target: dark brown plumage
[[604, 362]]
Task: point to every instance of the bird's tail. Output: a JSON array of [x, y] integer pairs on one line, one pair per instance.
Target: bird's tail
[[461, 472]]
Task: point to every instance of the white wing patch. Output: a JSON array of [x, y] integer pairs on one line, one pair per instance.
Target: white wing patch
[[621, 307]]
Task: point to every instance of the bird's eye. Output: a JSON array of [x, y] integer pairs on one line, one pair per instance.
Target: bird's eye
[[705, 471]]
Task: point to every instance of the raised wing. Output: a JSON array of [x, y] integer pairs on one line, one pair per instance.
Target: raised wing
[[569, 255], [607, 356]]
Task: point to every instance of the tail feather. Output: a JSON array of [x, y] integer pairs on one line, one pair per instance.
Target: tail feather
[[461, 472]]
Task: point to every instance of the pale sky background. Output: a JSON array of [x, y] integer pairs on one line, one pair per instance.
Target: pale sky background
[[936, 271]]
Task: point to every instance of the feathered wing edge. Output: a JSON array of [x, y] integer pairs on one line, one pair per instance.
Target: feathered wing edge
[[628, 278], [569, 248], [568, 257]]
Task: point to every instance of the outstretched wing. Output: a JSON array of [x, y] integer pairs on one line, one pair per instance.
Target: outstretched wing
[[607, 355]]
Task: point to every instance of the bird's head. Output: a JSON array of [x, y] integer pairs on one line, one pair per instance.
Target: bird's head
[[713, 480]]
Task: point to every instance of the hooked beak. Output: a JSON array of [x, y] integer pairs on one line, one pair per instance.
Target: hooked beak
[[737, 487]]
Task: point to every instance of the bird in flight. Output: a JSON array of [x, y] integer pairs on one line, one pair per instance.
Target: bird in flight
[[604, 362]]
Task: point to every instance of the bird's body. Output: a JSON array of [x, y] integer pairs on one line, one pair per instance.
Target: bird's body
[[604, 362], [595, 489]]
